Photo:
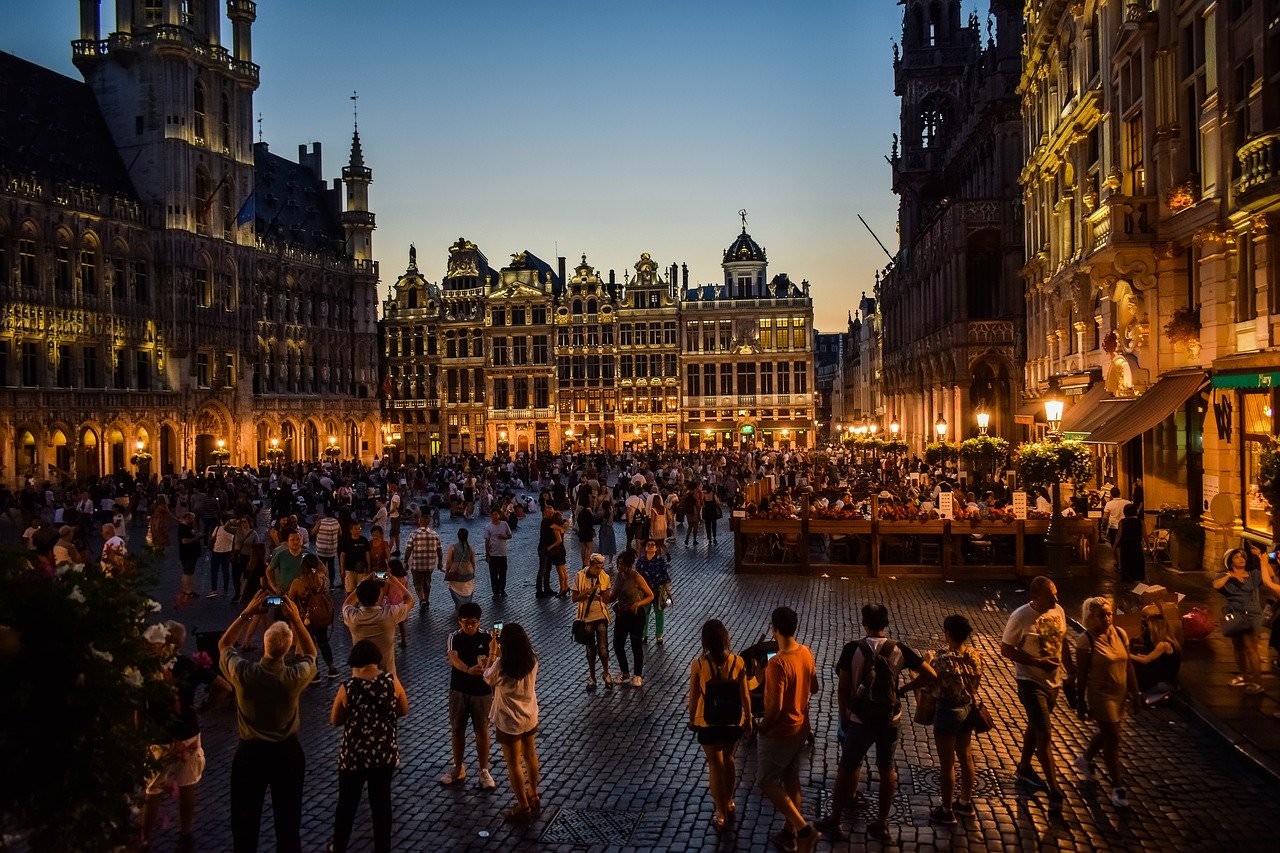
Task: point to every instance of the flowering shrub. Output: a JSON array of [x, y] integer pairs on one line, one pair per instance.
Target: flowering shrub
[[1041, 463], [78, 676], [984, 453], [939, 452]]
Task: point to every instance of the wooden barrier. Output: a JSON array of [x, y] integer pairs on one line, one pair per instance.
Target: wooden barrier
[[962, 549]]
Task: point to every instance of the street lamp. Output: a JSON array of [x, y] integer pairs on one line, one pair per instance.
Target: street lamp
[[984, 421], [1056, 540], [894, 426], [940, 426], [332, 450]]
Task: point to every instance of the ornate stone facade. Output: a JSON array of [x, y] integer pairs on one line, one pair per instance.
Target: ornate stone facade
[[1151, 192], [543, 361], [950, 302], [166, 283]]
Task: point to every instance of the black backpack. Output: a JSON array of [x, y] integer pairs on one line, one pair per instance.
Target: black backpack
[[721, 699], [875, 699]]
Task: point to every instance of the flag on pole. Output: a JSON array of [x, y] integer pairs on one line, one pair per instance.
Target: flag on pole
[[248, 211]]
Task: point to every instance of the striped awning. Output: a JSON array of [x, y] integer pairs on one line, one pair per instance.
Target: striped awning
[[1124, 419]]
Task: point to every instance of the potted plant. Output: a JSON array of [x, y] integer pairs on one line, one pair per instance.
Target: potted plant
[[1043, 463], [1184, 328], [940, 452], [984, 453]]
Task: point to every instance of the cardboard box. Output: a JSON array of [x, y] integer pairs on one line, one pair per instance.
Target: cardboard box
[[1156, 594], [1130, 623]]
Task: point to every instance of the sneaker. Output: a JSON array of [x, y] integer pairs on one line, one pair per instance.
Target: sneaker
[[486, 783], [1030, 778], [943, 815], [1118, 798], [1084, 768], [1253, 688], [591, 684], [962, 808], [637, 682], [452, 778], [1238, 681], [333, 674], [213, 593]]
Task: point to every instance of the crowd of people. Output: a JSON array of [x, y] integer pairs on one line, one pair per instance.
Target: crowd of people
[[285, 543]]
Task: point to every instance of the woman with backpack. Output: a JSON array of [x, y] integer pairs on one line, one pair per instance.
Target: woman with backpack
[[719, 704], [310, 591], [460, 570], [959, 672], [711, 513]]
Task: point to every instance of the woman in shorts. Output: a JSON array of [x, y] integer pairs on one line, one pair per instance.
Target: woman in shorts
[[959, 669], [513, 675], [717, 732]]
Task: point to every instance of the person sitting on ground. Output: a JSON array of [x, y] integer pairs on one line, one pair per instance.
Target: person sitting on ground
[[1158, 666]]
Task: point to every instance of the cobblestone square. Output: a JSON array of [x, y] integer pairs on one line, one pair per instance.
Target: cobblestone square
[[621, 771]]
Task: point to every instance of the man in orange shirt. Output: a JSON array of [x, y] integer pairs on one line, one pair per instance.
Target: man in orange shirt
[[790, 680]]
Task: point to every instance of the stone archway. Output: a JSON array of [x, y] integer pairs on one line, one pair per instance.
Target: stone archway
[[990, 385], [310, 441], [166, 460], [210, 426], [88, 457]]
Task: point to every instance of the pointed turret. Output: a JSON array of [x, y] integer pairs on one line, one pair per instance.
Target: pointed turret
[[357, 221]]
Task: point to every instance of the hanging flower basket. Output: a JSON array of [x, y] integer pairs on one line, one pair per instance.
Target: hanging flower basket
[[940, 452], [1183, 326]]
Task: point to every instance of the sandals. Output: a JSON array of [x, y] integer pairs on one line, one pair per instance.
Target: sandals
[[718, 822]]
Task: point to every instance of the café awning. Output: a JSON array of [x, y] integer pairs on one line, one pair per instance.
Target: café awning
[[1125, 419], [1084, 415]]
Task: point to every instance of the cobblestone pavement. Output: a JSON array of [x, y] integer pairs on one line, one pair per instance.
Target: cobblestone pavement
[[621, 771]]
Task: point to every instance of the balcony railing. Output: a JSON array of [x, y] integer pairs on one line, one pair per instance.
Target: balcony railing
[[1259, 168], [743, 401], [1122, 220]]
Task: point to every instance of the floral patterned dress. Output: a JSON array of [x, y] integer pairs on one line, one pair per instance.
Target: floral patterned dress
[[369, 735]]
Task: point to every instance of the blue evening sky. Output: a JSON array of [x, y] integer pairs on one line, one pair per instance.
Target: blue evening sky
[[577, 127]]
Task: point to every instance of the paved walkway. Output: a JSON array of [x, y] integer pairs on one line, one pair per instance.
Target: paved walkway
[[620, 770]]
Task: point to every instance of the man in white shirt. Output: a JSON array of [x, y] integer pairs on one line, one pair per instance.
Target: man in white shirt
[[1035, 639], [1112, 512], [113, 550]]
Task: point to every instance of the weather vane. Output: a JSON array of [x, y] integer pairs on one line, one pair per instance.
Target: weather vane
[[355, 107], [259, 127], [743, 214]]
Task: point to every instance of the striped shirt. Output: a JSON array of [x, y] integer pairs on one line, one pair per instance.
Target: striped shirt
[[422, 551], [328, 530]]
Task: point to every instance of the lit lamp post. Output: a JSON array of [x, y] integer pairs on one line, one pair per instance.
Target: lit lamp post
[[568, 437], [332, 451], [220, 452], [1056, 541], [141, 457], [502, 440], [984, 421], [274, 452]]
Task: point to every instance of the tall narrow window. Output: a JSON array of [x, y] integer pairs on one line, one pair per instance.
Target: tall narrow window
[[27, 264], [62, 269], [1246, 285], [89, 272], [198, 110], [225, 127]]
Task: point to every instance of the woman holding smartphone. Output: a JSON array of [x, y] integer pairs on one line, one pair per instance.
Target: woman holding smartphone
[[513, 674]]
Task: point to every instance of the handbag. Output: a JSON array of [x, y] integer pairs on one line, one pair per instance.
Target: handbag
[[662, 599], [983, 721], [1236, 623], [926, 707], [582, 633]]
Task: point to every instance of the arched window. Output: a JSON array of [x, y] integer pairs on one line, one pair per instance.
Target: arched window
[[413, 297], [933, 118], [577, 306], [198, 108], [591, 306]]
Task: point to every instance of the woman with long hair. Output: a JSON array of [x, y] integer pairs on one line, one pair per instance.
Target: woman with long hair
[[1104, 676], [460, 569], [1157, 668], [367, 707], [1241, 615], [512, 672], [310, 591], [719, 711]]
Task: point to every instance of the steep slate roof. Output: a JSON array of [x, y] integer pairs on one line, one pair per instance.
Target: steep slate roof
[[291, 205], [50, 126]]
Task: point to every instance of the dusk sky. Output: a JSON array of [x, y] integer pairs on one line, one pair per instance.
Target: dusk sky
[[570, 127]]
